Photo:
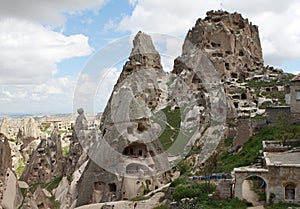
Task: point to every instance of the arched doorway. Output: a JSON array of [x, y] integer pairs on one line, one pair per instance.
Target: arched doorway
[[290, 191], [254, 190]]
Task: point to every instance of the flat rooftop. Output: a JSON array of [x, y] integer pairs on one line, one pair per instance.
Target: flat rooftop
[[282, 159]]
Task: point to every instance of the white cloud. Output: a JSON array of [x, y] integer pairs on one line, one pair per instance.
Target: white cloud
[[46, 12], [93, 91], [30, 52], [278, 21], [54, 95]]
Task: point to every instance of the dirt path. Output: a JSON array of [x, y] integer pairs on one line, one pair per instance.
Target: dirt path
[[251, 196]]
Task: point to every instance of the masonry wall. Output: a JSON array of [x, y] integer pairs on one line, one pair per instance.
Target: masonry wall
[[279, 178], [274, 112], [295, 103]]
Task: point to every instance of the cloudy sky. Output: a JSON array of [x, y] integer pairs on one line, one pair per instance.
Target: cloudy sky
[[45, 45]]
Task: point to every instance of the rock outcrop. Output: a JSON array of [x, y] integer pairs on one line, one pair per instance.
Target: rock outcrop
[[45, 163], [10, 194], [6, 129], [76, 156], [231, 42], [28, 131], [5, 156], [129, 142]]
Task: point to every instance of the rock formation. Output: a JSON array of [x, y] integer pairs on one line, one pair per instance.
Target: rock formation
[[76, 156], [5, 156], [5, 128], [230, 42], [128, 130], [28, 131], [45, 163], [10, 194]]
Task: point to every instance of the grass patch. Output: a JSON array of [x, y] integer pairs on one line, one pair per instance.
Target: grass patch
[[224, 204], [172, 129], [55, 203], [65, 152], [21, 167], [140, 198], [162, 207], [250, 152], [259, 117], [192, 190], [282, 206], [49, 185], [198, 194]]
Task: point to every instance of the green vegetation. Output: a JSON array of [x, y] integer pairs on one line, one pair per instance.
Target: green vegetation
[[172, 127], [140, 198], [250, 152], [265, 104], [259, 117], [282, 206], [199, 194], [193, 189], [55, 203], [65, 152], [162, 207], [228, 142], [183, 167], [49, 185], [280, 95], [21, 167]]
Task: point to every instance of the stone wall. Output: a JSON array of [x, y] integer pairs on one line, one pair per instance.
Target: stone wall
[[274, 112], [224, 189]]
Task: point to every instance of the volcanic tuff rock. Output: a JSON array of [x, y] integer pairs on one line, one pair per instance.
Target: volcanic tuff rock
[[45, 163], [76, 156], [10, 194], [5, 128], [5, 156], [229, 40], [128, 130], [28, 131]]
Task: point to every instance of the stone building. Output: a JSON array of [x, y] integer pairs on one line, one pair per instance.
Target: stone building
[[295, 98], [292, 111], [280, 173]]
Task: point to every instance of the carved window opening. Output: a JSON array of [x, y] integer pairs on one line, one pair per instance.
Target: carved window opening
[[112, 187], [244, 96], [290, 192], [136, 150]]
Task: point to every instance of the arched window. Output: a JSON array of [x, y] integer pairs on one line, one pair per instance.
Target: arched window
[[290, 192]]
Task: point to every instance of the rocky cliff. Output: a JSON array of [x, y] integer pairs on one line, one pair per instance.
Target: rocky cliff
[[129, 132], [231, 43], [46, 162]]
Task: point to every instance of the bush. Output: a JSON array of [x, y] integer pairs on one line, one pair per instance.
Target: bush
[[192, 190]]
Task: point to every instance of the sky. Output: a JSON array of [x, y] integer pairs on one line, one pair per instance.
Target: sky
[[45, 46]]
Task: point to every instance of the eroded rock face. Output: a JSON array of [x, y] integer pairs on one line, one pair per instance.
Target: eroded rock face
[[76, 156], [230, 41], [41, 198], [5, 128], [28, 131], [45, 163], [128, 130], [5, 156], [10, 194]]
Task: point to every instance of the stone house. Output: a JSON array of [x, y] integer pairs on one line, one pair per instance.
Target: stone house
[[292, 99], [295, 98], [280, 172]]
